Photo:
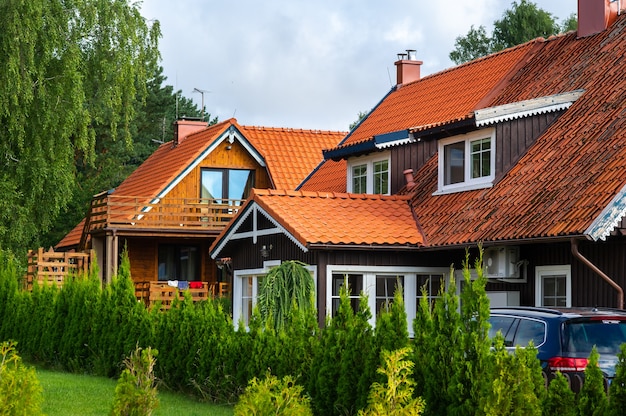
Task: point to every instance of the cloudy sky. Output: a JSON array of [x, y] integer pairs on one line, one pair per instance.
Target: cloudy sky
[[309, 64]]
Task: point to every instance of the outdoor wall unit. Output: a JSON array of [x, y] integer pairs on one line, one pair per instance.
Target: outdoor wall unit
[[502, 262]]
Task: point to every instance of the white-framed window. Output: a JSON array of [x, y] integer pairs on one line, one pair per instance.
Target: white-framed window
[[467, 161], [369, 175], [246, 284], [553, 286], [379, 283]]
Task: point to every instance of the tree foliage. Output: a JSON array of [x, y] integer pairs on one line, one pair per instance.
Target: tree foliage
[[522, 22], [67, 70]]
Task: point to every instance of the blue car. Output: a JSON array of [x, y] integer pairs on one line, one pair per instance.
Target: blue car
[[564, 337]]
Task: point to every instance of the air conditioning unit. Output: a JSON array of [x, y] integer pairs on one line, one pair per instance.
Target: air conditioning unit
[[502, 262]]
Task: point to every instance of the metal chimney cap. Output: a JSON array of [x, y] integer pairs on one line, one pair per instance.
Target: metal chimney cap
[[412, 54]]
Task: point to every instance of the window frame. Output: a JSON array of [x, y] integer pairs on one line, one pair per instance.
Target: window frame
[[468, 182], [541, 272], [369, 163], [410, 288], [226, 183]]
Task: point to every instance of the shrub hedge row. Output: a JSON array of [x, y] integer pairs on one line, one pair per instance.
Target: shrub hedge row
[[87, 328]]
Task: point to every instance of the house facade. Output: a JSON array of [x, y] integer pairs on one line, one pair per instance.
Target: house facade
[[169, 211], [522, 152]]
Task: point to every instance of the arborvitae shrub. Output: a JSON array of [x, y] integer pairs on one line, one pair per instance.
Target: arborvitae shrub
[[513, 389], [395, 395], [20, 392], [560, 399], [592, 400], [617, 391], [273, 396]]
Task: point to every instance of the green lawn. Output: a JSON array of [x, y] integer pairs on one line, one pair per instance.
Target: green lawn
[[71, 394]]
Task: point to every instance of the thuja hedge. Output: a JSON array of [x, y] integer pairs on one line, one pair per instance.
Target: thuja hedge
[[87, 328]]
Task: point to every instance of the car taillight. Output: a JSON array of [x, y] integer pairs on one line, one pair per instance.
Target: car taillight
[[567, 364]]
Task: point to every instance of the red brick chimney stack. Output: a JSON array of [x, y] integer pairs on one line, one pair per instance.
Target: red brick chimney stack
[[407, 67], [595, 16], [183, 127]]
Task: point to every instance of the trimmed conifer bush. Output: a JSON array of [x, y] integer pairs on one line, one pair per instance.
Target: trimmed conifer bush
[[592, 400], [560, 399], [617, 391]]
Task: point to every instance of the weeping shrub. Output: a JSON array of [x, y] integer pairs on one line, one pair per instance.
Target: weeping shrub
[[282, 286]]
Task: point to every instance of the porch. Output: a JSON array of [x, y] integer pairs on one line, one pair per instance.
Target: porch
[[152, 292]]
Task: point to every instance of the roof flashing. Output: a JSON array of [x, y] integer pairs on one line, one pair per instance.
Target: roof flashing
[[521, 109]]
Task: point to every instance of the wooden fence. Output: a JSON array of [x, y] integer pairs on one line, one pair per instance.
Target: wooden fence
[[51, 268]]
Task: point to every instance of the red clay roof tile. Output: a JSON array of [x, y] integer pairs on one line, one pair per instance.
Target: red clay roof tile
[[346, 219]]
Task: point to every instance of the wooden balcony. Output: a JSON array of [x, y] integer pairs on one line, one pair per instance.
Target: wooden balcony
[[122, 211]]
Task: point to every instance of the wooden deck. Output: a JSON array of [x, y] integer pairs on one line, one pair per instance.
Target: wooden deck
[[109, 211]]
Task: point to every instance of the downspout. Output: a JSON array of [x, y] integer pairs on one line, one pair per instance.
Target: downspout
[[593, 267]]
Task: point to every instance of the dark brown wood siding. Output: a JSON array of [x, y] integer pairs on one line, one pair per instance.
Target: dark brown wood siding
[[411, 156], [515, 136]]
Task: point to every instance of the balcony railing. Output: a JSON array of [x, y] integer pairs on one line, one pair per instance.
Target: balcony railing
[[120, 211]]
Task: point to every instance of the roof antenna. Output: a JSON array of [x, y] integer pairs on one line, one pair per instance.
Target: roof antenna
[[389, 75]]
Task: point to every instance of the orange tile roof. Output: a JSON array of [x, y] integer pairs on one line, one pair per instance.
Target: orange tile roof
[[340, 218], [568, 178], [441, 98], [291, 154], [570, 182], [71, 239], [330, 176]]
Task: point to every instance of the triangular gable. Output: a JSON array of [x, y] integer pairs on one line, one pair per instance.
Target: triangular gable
[[231, 134]]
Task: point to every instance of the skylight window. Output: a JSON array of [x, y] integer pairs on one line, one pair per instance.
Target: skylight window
[[467, 162]]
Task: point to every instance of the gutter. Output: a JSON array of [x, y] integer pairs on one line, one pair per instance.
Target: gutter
[[593, 267]]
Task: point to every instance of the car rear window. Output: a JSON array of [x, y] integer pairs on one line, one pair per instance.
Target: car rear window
[[606, 334]]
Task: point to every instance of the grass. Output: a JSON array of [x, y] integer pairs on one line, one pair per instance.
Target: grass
[[73, 394]]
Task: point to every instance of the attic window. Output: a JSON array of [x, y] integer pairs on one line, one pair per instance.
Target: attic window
[[369, 175], [467, 162]]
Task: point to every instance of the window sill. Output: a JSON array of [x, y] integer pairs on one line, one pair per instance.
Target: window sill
[[462, 188]]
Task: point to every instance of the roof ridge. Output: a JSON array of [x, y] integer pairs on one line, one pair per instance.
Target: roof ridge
[[479, 60], [293, 130]]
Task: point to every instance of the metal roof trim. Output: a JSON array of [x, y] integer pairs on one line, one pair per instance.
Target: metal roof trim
[[609, 218], [526, 108]]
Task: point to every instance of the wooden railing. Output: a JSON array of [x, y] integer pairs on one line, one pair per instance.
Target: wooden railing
[[51, 268], [115, 211], [152, 292]]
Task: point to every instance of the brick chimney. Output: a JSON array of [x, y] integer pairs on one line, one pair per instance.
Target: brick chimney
[[407, 67], [595, 16], [183, 127]]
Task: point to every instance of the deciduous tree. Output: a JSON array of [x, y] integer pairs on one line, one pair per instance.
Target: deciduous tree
[[67, 70]]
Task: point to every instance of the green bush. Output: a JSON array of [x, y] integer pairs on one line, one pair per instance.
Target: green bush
[[560, 399], [592, 400], [394, 397], [272, 396], [617, 391], [136, 392], [20, 392]]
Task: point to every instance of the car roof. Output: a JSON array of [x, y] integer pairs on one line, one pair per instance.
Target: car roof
[[560, 313]]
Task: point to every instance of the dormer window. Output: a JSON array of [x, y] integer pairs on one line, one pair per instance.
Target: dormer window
[[467, 162], [369, 175]]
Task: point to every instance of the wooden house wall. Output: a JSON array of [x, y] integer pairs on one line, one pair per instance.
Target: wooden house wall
[[411, 156], [515, 136], [144, 252], [235, 158]]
